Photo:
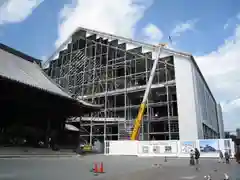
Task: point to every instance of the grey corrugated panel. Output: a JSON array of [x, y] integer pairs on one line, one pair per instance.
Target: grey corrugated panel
[[18, 69]]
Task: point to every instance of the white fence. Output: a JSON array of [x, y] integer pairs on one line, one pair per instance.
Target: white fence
[[207, 147]]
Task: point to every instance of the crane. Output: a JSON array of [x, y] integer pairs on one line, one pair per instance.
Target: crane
[[138, 121]]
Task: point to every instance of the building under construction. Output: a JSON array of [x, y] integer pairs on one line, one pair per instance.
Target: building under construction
[[113, 71]]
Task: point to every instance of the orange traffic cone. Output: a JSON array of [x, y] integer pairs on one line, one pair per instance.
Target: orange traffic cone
[[101, 169]]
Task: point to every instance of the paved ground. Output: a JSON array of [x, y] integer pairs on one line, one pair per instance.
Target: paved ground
[[116, 167], [28, 152], [31, 151]]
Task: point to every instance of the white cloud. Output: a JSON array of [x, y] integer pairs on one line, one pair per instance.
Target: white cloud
[[183, 27], [230, 105], [14, 11], [152, 34], [116, 17], [226, 25], [221, 69], [238, 16], [231, 22]]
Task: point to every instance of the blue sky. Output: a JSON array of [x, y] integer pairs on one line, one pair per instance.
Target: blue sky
[[36, 34], [210, 30]]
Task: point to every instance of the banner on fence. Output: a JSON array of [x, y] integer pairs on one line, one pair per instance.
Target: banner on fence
[[187, 146], [209, 146], [157, 148]]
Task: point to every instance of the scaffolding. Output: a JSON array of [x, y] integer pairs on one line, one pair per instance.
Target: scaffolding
[[102, 69]]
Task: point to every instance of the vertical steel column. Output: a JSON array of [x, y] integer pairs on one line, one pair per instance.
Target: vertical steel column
[[115, 76], [69, 65], [93, 82], [84, 67], [171, 100], [115, 69], [168, 108], [61, 67], [106, 89], [148, 117], [75, 78], [83, 84], [125, 92], [94, 71]]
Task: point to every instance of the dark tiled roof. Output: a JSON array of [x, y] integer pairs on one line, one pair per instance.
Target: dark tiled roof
[[18, 53], [26, 72], [15, 67]]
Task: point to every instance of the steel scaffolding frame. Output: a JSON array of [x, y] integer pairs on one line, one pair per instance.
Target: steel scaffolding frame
[[99, 68]]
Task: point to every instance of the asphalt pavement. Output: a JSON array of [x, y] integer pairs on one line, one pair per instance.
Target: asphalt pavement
[[29, 152], [115, 167]]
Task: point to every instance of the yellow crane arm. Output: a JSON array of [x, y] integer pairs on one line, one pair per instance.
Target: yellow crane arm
[[138, 121]]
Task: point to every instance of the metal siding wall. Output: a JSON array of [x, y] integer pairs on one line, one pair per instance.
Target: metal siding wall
[[220, 121], [206, 106], [197, 102]]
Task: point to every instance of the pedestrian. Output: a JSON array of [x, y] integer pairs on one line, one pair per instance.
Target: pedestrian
[[197, 156], [49, 142], [220, 156], [237, 156], [192, 162], [227, 157]]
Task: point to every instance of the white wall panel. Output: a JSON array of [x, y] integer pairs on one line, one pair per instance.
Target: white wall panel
[[123, 147], [185, 97]]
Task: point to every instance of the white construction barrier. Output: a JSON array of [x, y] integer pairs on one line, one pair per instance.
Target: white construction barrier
[[124, 147], [157, 148], [207, 148]]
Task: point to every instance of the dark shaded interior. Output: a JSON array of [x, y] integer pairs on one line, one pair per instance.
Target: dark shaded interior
[[30, 115]]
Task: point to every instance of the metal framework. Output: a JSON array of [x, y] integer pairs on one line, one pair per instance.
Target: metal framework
[[99, 68], [138, 121]]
